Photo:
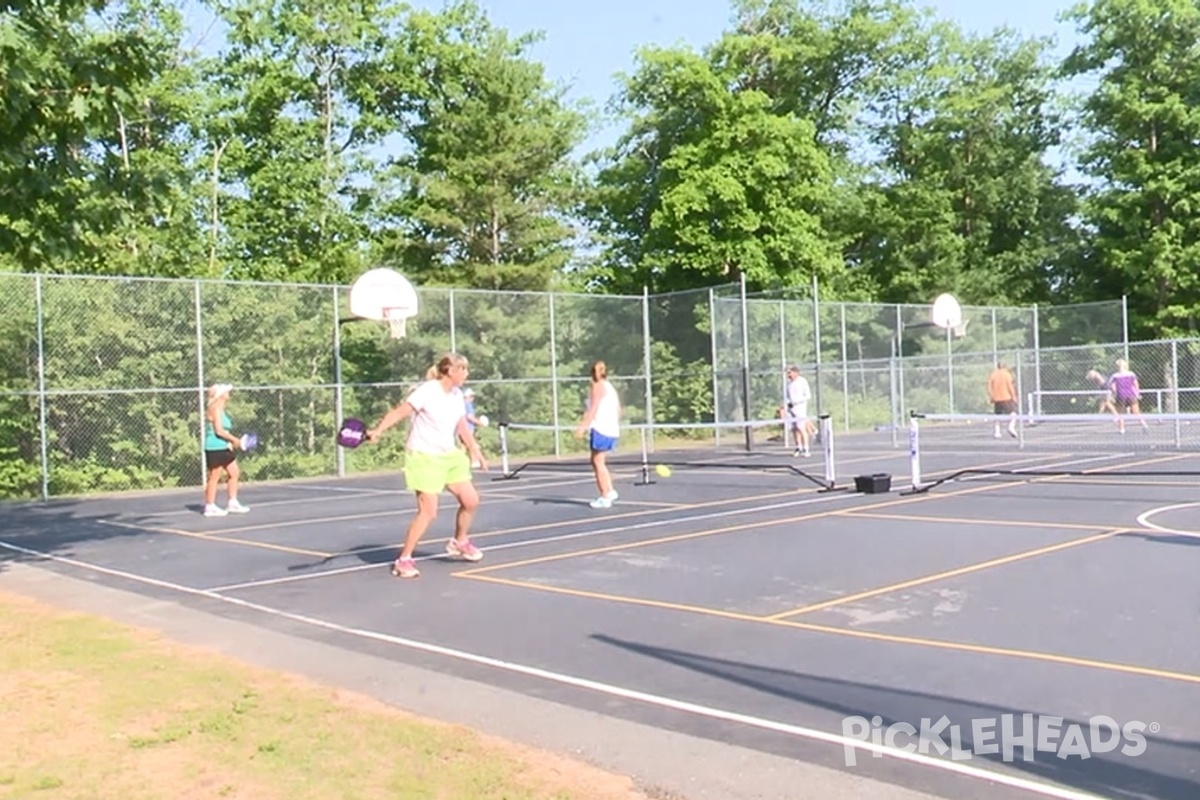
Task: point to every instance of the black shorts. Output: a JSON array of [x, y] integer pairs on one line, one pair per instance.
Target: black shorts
[[219, 458], [1005, 407]]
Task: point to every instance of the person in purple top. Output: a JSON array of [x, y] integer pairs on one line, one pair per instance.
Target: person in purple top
[[1126, 393]]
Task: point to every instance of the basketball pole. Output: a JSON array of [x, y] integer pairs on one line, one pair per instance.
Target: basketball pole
[[338, 395]]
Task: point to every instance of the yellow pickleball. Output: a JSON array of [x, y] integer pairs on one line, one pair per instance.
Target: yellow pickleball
[[663, 471]]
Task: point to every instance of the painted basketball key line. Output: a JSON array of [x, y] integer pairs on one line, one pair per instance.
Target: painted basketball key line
[[611, 690], [217, 538], [947, 574], [1145, 517], [562, 537], [939, 644]]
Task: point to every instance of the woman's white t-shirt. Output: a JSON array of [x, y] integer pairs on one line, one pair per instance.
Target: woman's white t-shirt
[[607, 421], [435, 423]]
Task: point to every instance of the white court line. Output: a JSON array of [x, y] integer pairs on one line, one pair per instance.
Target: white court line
[[1144, 520], [1031, 468], [561, 537], [660, 701], [335, 489]]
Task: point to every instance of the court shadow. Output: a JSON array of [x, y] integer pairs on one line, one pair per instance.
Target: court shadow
[[559, 501], [1164, 538], [1164, 770], [31, 532]]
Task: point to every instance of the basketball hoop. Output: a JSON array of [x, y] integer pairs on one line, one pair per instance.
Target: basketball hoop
[[385, 295], [960, 330], [397, 320], [947, 313]]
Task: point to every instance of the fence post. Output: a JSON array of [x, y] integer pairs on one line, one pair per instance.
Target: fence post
[[817, 342], [1175, 389], [1125, 324], [200, 375], [646, 359], [453, 329], [339, 457], [783, 359], [995, 338], [716, 382], [950, 366], [845, 373], [746, 364], [897, 377], [43, 429], [554, 378], [1037, 364]]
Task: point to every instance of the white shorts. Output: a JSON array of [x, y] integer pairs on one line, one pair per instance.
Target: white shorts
[[798, 413]]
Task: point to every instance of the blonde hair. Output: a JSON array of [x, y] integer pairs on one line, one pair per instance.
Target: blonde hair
[[217, 391], [1122, 364], [599, 371]]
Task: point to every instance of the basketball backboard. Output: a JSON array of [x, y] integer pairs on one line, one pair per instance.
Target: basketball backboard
[[384, 294]]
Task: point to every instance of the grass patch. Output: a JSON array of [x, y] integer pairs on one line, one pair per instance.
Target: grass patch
[[95, 710]]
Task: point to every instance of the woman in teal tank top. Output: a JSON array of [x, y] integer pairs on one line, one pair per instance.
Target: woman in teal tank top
[[220, 454]]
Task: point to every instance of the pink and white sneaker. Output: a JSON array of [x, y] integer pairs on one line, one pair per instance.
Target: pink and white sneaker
[[464, 550], [405, 568]]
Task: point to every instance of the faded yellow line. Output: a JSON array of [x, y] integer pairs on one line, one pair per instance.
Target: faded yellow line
[[210, 537], [1028, 655], [679, 537], [715, 531], [950, 573]]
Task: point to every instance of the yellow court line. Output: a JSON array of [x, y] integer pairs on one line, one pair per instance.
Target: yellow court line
[[678, 537], [714, 531], [903, 501], [208, 537], [946, 574], [961, 647]]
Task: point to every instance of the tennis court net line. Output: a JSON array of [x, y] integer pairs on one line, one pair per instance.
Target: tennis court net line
[[757, 445], [1067, 436]]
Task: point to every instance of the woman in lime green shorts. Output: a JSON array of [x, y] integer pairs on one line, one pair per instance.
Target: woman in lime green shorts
[[433, 460]]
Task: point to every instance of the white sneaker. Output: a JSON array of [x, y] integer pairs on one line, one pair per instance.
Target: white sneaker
[[601, 502], [612, 496], [234, 507], [214, 510]]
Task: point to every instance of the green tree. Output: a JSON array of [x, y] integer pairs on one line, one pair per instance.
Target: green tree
[[1143, 123], [482, 193], [709, 183], [963, 199], [77, 113], [290, 136]]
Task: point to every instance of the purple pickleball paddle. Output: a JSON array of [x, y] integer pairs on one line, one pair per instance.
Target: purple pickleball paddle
[[351, 433]]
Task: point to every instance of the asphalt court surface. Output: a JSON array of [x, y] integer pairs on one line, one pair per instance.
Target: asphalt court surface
[[744, 605]]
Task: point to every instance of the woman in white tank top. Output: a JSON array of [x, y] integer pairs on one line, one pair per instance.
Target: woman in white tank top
[[602, 421]]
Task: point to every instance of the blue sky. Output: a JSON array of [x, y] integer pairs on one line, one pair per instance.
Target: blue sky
[[586, 45]]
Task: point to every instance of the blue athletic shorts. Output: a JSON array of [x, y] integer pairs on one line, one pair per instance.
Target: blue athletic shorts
[[601, 443]]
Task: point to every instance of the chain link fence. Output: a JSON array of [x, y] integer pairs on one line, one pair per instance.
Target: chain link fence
[[870, 364], [102, 380]]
